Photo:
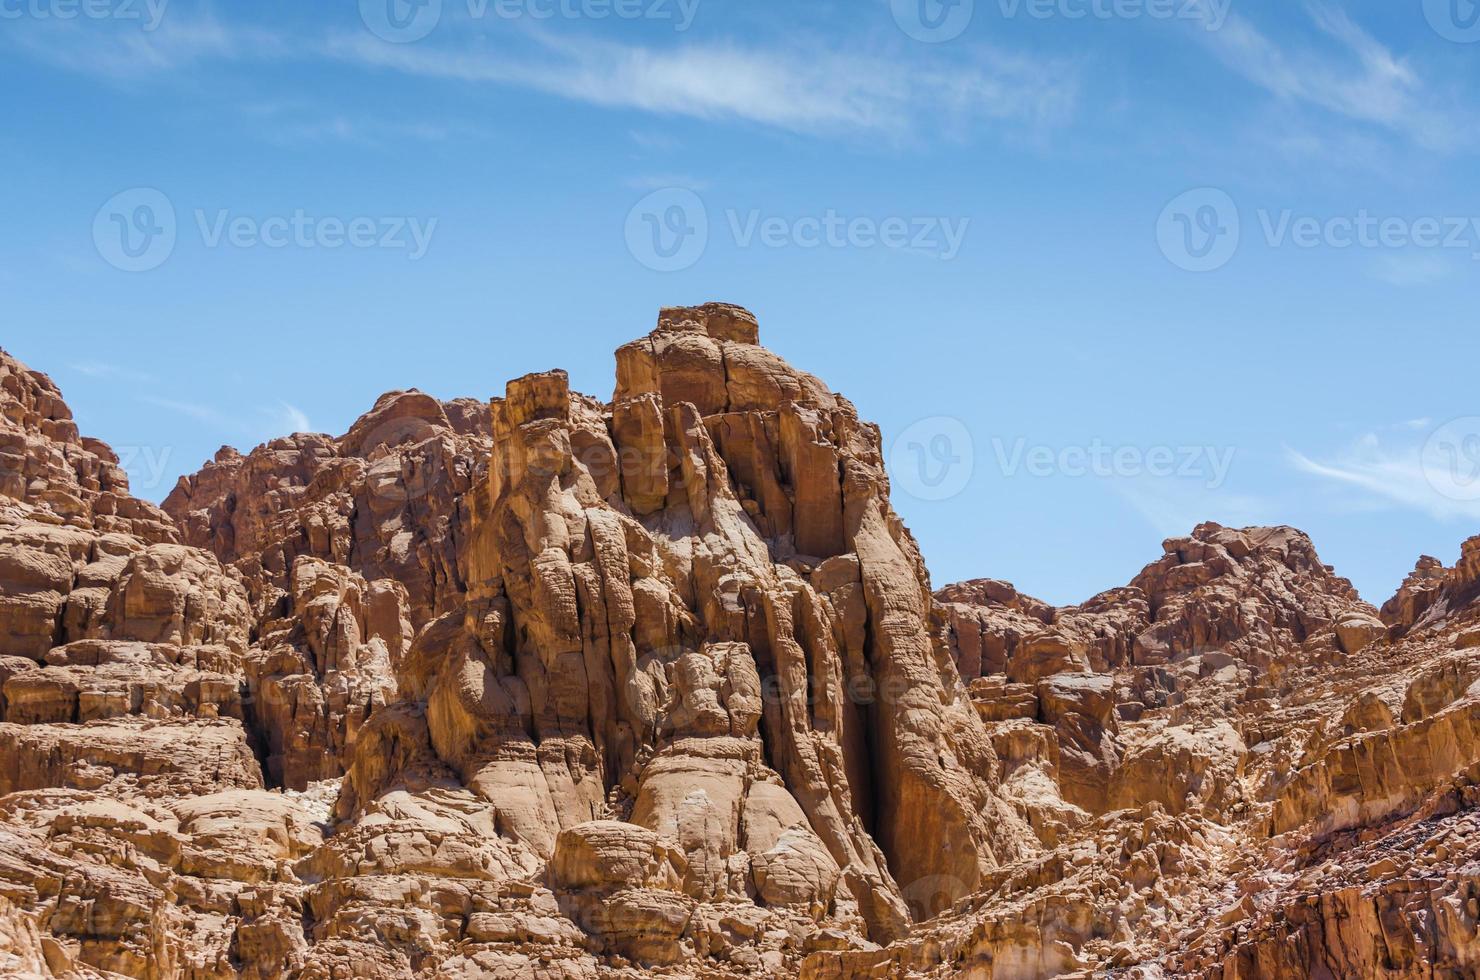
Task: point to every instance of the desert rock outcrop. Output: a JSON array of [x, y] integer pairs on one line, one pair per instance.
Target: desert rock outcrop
[[556, 687], [1244, 773], [552, 681]]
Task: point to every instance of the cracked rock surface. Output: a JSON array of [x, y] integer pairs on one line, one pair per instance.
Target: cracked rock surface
[[558, 688]]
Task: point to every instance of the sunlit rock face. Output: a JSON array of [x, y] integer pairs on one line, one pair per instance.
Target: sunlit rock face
[[549, 684], [1242, 771], [555, 687]]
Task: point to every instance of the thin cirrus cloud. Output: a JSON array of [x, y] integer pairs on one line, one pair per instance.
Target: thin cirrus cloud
[[103, 369], [1351, 75], [817, 91], [806, 91], [276, 420], [1337, 68], [1175, 507], [201, 413], [293, 416], [125, 52], [1402, 469]]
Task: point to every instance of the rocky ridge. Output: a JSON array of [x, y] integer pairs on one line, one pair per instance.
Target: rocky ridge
[[1245, 773], [554, 687]]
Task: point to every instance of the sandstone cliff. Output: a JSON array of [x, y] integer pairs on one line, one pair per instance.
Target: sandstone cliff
[[547, 685], [558, 687], [1244, 771]]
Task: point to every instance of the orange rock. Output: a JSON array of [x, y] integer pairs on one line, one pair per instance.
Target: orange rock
[[549, 687]]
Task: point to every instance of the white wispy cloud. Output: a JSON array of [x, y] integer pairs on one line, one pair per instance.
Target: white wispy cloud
[[805, 89], [292, 418], [1351, 75], [363, 132], [125, 51], [103, 369], [298, 121], [201, 413], [1173, 507], [1409, 466], [276, 420], [802, 92]]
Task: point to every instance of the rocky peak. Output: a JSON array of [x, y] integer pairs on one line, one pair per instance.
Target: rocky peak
[[1416, 595], [558, 687], [645, 569], [640, 681], [381, 499], [1432, 594], [398, 418], [993, 593], [1257, 592], [58, 475], [721, 321], [1464, 580], [1236, 699], [1282, 561]]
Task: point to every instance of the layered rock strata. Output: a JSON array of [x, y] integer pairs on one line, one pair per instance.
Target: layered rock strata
[[1244, 772], [555, 687], [609, 686]]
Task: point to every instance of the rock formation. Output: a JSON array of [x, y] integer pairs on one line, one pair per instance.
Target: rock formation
[[555, 687], [1243, 772]]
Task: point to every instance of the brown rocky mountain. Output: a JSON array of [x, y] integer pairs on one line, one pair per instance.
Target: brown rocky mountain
[[559, 688]]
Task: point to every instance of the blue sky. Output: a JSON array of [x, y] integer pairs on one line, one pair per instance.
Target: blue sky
[[1100, 270]]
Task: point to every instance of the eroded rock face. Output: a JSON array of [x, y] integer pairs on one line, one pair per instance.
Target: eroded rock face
[[136, 836], [322, 663], [1240, 774], [1433, 594], [669, 602], [589, 686], [552, 687], [383, 499], [989, 622], [59, 476]]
